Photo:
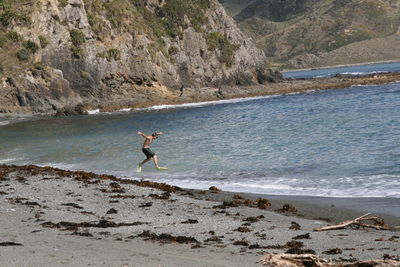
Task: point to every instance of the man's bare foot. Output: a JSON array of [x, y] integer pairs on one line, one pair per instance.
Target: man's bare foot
[[139, 168]]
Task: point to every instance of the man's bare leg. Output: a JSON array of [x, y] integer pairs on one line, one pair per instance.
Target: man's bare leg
[[139, 167], [156, 164], [144, 161]]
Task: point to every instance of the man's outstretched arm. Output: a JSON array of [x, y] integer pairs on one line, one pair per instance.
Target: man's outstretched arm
[[142, 134]]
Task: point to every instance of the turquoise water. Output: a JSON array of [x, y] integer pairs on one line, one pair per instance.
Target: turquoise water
[[333, 143], [354, 70]]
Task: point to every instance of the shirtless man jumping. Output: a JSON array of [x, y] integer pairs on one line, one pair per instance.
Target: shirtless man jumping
[[147, 151]]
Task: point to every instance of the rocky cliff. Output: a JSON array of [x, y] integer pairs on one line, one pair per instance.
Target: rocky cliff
[[117, 53]]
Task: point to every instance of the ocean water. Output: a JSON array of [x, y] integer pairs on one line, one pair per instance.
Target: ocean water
[[336, 143], [354, 70]]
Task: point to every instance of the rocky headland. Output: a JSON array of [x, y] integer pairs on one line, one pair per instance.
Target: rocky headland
[[61, 53], [65, 57]]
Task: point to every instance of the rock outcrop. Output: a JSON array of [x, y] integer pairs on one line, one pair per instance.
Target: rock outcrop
[[60, 53]]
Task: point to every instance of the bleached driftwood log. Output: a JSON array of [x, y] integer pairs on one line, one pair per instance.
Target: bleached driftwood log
[[293, 260], [376, 223], [304, 260]]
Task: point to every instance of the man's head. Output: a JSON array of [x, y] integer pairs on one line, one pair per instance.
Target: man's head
[[155, 135]]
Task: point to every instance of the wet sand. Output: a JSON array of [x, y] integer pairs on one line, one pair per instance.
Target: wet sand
[[63, 218]]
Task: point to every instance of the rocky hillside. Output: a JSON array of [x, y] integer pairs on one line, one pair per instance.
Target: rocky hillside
[[312, 33], [117, 53]]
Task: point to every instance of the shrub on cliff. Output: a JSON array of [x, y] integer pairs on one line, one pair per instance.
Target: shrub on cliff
[[216, 40], [23, 54], [9, 15], [14, 36], [31, 46], [62, 3], [173, 50], [77, 37], [43, 41], [2, 42], [113, 53]]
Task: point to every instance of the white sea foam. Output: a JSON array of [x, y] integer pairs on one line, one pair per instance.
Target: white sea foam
[[2, 123], [94, 111], [125, 110], [206, 103], [63, 166], [3, 161], [363, 73], [349, 187]]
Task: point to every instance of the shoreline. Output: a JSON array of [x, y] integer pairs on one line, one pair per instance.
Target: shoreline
[[58, 217], [201, 96], [313, 207], [344, 65]]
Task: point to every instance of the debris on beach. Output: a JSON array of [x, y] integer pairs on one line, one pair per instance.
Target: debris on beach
[[262, 203], [167, 237], [74, 205], [333, 251], [213, 239], [190, 221], [304, 260], [241, 243], [163, 196], [253, 219], [112, 211], [123, 196], [71, 226], [146, 205], [377, 223], [242, 229], [295, 226], [305, 236], [287, 208], [8, 243], [214, 189], [236, 196]]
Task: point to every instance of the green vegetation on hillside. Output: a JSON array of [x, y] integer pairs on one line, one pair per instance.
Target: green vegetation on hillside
[[286, 29], [163, 21], [14, 50], [77, 39], [216, 40], [10, 15]]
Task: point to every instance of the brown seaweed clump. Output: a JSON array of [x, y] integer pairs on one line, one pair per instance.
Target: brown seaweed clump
[[260, 203], [263, 203], [287, 208], [215, 189], [243, 229], [71, 226], [85, 177], [167, 238]]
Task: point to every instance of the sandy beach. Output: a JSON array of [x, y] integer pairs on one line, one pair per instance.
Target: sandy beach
[[52, 217]]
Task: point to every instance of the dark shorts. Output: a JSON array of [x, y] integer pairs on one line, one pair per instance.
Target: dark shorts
[[147, 151]]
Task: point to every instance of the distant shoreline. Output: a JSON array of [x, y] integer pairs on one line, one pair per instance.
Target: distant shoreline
[[343, 65]]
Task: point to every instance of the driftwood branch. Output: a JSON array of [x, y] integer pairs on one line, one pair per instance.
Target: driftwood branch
[[303, 260], [376, 223]]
